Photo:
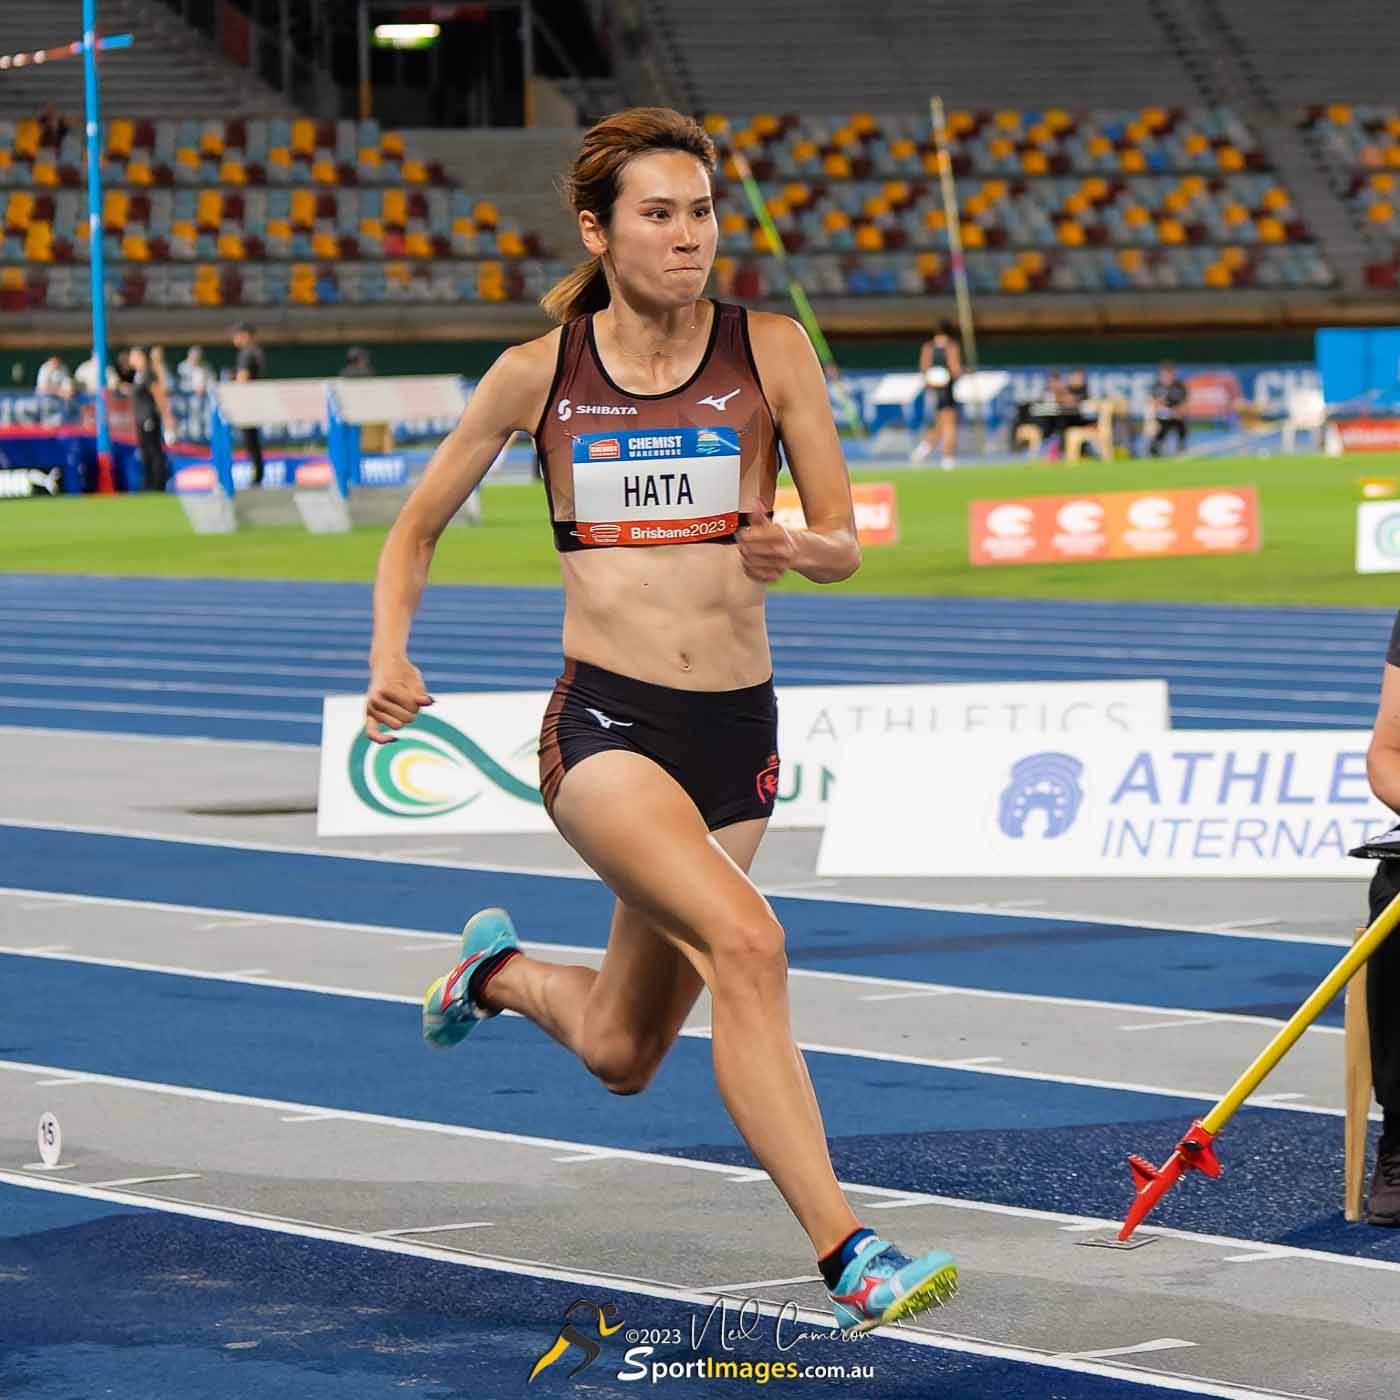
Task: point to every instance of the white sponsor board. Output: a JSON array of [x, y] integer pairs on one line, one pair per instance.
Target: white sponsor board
[[1197, 802], [469, 764], [1378, 537]]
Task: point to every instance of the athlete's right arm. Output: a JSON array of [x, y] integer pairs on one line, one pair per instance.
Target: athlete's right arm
[[1383, 758], [510, 398]]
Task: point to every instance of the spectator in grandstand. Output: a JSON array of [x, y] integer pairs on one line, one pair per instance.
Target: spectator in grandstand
[[374, 437], [193, 372], [53, 126], [247, 367], [1168, 405], [1383, 971], [150, 408], [940, 362], [54, 379], [357, 364]]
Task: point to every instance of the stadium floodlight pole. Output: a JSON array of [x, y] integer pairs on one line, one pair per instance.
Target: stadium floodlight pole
[[805, 314], [955, 249], [1196, 1149]]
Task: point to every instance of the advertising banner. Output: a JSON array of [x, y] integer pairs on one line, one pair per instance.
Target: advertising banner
[[877, 514], [469, 763], [1367, 434], [1199, 802], [1113, 525], [1378, 537]]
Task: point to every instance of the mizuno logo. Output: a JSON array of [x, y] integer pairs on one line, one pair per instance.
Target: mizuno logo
[[720, 401], [606, 722]]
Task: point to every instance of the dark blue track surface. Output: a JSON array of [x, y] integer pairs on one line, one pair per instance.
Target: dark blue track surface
[[981, 1136], [1046, 957], [164, 1315], [251, 659]]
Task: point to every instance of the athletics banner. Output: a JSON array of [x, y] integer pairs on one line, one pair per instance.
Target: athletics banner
[[876, 511], [1113, 525], [468, 764], [1195, 802]]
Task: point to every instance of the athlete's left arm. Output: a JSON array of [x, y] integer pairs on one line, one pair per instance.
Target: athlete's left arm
[[827, 550]]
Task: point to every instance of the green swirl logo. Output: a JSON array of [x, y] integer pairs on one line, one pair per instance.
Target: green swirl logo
[[431, 770], [1388, 535]]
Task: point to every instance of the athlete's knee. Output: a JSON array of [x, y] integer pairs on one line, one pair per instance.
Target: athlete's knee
[[751, 952], [624, 1063]]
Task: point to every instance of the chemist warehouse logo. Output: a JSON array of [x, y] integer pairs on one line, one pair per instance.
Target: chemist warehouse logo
[[431, 768]]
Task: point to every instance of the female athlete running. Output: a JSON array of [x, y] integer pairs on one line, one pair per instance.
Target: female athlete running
[[657, 417]]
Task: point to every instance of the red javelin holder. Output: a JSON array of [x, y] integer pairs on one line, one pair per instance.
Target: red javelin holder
[[1195, 1150]]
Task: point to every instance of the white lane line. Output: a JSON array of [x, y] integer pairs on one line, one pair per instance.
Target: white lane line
[[1164, 1025], [64, 1082], [45, 1167], [1159, 1344], [254, 715], [1096, 919], [433, 1229], [909, 1336], [1259, 1256], [164, 740], [241, 973], [1079, 1229], [145, 1180], [745, 1288], [318, 1117], [903, 996], [590, 950], [585, 1156], [232, 923], [747, 1174], [976, 1064], [1230, 924]]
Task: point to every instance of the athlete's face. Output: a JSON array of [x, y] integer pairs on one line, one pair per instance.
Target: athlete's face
[[662, 235]]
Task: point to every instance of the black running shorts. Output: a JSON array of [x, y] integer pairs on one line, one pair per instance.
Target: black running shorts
[[721, 746]]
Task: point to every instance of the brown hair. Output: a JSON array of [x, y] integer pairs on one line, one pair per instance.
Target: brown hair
[[596, 178]]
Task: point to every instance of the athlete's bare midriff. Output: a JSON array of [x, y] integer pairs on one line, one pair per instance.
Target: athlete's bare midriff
[[683, 615]]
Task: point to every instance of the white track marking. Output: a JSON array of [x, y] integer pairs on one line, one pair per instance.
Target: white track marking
[[1160, 1344], [1164, 1025], [145, 1180], [923, 988], [433, 1229], [976, 1064], [872, 900], [906, 1335]]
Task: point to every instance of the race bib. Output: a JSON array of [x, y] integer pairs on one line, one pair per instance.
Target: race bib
[[656, 485]]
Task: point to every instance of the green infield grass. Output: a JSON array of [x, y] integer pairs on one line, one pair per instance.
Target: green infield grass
[[1308, 506]]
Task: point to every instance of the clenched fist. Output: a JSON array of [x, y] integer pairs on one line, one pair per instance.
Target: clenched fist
[[396, 694], [765, 547]]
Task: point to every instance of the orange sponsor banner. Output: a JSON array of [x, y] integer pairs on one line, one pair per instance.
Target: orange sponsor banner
[[1369, 434], [1114, 525], [877, 515]]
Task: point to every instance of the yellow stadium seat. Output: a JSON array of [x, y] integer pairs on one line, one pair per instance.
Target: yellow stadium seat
[[930, 163], [1383, 182], [797, 194], [778, 208], [935, 219], [324, 172], [1099, 146], [837, 166], [1130, 259], [999, 148], [733, 222], [1276, 199], [1153, 117], [1193, 184], [843, 136], [231, 172], [1175, 201], [1195, 143], [188, 157], [279, 229], [834, 220], [279, 156], [484, 212], [1229, 158], [1132, 161], [304, 137], [1013, 279], [303, 209], [372, 228], [38, 242], [862, 123], [415, 172], [1271, 230], [766, 124], [896, 191], [731, 168], [1236, 213], [1218, 275], [960, 123], [510, 244], [758, 240], [903, 148], [211, 142], [6, 160], [231, 247], [138, 171], [395, 208], [183, 229], [995, 190], [1035, 162], [1007, 120], [27, 138], [370, 156], [975, 206], [1339, 114], [462, 227], [1095, 187], [207, 291], [869, 239], [1171, 231], [115, 206], [209, 209], [135, 249], [804, 150], [1135, 216], [928, 264], [44, 173], [716, 124], [1137, 132], [1077, 204], [12, 279], [418, 245], [1381, 212], [391, 143], [973, 236], [1234, 256], [1040, 133], [324, 245], [1392, 126], [877, 206], [1070, 233], [1031, 261], [1392, 156], [745, 139]]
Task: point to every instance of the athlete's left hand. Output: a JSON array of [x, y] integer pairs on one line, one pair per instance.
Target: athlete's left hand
[[766, 549]]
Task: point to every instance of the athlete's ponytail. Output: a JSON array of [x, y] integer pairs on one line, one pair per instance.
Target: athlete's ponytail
[[596, 178]]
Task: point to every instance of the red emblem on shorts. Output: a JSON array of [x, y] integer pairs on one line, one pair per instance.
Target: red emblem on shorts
[[768, 780]]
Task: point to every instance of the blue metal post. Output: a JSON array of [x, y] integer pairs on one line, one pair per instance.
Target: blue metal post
[[105, 482]]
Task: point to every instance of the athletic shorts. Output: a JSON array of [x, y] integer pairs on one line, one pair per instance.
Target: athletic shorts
[[721, 746]]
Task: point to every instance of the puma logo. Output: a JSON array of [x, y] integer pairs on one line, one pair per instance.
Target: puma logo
[[720, 401]]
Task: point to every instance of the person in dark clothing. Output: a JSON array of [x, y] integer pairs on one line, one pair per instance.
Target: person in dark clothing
[[1383, 970], [357, 364], [1168, 403], [247, 367], [150, 409]]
